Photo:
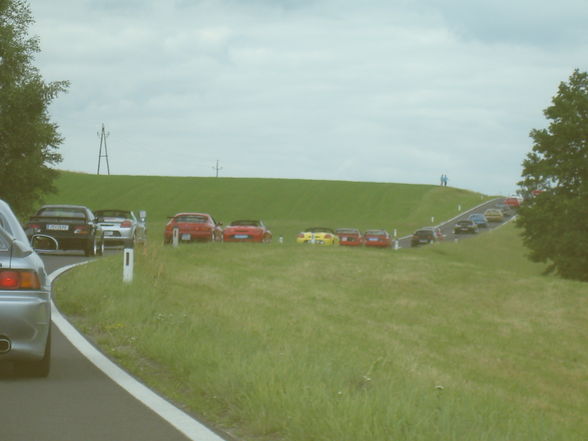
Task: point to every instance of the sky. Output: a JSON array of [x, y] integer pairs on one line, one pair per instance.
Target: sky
[[375, 90]]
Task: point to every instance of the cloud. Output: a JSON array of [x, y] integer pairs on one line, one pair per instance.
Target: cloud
[[373, 90]]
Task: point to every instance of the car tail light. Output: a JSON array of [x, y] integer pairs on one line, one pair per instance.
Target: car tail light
[[328, 236], [81, 229], [35, 227], [10, 279], [301, 235], [126, 224]]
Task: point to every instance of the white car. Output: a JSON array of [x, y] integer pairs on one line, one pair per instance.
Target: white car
[[25, 301], [120, 226]]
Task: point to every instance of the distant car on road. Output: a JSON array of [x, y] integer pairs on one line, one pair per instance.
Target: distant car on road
[[193, 227], [494, 215], [120, 226], [424, 236], [351, 237], [318, 236], [465, 226], [513, 203], [377, 238], [247, 231], [479, 219], [66, 227], [25, 300]]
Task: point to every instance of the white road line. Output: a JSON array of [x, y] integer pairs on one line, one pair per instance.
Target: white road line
[[191, 428]]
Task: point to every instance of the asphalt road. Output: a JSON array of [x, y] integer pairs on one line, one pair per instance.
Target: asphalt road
[[78, 402]]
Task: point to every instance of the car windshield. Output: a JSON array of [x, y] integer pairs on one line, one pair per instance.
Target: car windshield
[[101, 214], [245, 223], [319, 230], [375, 232], [194, 219], [62, 212], [346, 231]]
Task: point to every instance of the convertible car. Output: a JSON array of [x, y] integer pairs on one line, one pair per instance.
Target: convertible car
[[120, 226], [247, 231], [349, 237], [319, 236], [377, 238], [193, 227]]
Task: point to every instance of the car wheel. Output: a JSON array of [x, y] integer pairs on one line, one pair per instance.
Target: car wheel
[[39, 368], [100, 249], [90, 249]]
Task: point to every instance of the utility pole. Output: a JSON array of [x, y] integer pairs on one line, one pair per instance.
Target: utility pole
[[217, 168], [103, 135]]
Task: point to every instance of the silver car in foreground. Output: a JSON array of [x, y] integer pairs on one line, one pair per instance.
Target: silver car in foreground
[[25, 301], [121, 226]]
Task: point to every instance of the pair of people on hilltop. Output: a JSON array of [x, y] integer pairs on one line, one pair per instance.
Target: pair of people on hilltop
[[444, 180]]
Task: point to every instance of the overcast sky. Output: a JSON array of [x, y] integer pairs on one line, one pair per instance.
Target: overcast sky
[[375, 90]]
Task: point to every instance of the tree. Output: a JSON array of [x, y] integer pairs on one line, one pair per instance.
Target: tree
[[28, 139], [555, 220]]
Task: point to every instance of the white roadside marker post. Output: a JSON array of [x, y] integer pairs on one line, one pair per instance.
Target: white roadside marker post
[[175, 237], [128, 261], [396, 244]]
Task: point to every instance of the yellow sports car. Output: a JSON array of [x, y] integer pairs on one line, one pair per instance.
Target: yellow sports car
[[318, 236], [494, 215]]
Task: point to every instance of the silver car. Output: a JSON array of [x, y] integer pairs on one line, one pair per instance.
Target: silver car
[[25, 300], [120, 226]]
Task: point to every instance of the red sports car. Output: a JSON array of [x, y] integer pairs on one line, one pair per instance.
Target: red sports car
[[193, 227], [377, 238], [349, 237], [247, 231]]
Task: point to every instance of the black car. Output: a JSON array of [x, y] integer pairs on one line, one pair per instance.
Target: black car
[[465, 226], [422, 237], [65, 227]]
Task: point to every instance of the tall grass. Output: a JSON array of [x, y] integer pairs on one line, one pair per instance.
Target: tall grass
[[458, 341]]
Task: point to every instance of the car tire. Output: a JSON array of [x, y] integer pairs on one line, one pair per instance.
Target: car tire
[[100, 248], [90, 248], [39, 368]]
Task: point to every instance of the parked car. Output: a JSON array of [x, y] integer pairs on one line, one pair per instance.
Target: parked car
[[479, 219], [120, 226], [465, 226], [247, 231], [193, 227], [513, 202], [25, 300], [318, 235], [494, 215], [349, 237], [377, 238], [507, 210], [424, 236], [66, 227]]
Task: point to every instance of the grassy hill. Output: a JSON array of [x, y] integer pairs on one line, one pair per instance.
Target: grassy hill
[[286, 205], [457, 341]]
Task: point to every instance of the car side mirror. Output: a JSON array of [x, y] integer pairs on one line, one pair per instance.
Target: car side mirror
[[43, 242]]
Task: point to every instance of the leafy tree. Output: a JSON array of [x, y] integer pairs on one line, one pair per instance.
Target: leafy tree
[[28, 140], [555, 220]]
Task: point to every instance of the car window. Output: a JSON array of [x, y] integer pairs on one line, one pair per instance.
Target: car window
[[62, 212], [192, 219], [245, 223]]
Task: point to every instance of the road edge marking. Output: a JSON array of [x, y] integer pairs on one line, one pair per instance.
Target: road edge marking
[[186, 424]]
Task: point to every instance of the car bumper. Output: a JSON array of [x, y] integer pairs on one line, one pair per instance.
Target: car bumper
[[25, 321]]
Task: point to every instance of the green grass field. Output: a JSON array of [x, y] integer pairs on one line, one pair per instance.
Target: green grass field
[[457, 341]]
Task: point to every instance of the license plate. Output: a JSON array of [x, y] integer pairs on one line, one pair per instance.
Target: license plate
[[186, 237], [57, 227], [108, 233], [424, 241], [373, 239], [241, 236]]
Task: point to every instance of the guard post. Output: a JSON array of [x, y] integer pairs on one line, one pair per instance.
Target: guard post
[[128, 260]]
